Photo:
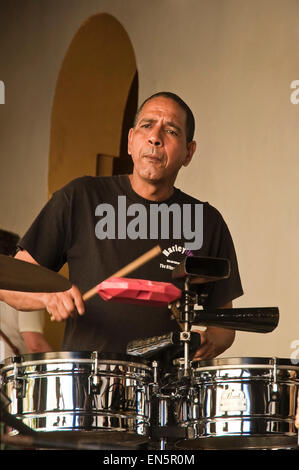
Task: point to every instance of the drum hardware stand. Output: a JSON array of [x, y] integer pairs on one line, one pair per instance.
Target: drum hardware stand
[[94, 381], [155, 384], [274, 395], [18, 384], [183, 312], [162, 411], [185, 336], [164, 431], [11, 420]]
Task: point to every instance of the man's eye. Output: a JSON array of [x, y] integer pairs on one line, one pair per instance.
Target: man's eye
[[145, 125], [171, 131]]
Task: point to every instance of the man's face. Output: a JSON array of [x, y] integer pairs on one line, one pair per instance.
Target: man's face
[[158, 144]]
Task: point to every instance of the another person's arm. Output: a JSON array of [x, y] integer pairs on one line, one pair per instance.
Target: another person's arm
[[31, 328], [35, 342]]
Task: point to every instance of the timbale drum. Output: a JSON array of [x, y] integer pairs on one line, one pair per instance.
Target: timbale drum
[[106, 394], [241, 403]]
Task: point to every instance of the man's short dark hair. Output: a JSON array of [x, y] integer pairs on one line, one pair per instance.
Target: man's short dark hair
[[8, 242], [190, 121]]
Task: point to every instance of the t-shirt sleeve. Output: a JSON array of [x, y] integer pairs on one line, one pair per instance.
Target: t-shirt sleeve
[[31, 321], [47, 238], [225, 290]]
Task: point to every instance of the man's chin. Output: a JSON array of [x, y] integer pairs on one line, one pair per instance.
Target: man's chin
[[154, 175], [153, 178]]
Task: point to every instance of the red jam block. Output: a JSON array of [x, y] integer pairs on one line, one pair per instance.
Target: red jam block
[[138, 291]]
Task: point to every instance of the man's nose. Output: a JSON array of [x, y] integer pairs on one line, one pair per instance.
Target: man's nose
[[155, 138], [155, 142]]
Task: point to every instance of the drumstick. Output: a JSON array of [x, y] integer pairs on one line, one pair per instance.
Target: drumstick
[[127, 269]]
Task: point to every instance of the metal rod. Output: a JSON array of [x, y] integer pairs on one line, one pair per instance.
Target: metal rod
[[186, 327]]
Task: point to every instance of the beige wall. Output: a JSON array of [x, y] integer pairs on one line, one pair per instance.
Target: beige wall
[[234, 62]]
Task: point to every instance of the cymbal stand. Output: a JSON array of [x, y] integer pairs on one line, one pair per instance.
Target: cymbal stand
[[164, 430], [162, 408], [183, 311], [188, 299]]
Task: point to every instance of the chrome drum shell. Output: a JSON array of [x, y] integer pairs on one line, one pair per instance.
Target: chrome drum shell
[[76, 391], [243, 403]]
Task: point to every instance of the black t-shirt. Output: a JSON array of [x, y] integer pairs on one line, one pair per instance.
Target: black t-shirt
[[69, 228]]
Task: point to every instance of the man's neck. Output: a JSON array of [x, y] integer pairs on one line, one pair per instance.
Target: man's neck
[[151, 191]]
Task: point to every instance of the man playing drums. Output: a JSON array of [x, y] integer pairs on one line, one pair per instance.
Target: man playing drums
[[160, 143]]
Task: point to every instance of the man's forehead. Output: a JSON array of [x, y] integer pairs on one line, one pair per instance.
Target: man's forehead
[[163, 106]]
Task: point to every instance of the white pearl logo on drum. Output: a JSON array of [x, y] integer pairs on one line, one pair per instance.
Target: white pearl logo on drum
[[233, 400], [132, 222]]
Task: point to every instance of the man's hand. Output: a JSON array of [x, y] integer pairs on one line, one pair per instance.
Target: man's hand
[[214, 340], [207, 349], [62, 305]]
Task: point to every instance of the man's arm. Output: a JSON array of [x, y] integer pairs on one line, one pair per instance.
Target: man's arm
[[214, 340], [60, 305]]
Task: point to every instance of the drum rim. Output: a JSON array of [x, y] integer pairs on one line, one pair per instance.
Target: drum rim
[[254, 441], [73, 356], [240, 361]]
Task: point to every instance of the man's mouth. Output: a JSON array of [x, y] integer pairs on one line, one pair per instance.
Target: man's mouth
[[153, 156], [153, 160]]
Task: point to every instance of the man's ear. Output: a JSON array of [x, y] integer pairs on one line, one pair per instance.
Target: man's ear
[[130, 138], [191, 147]]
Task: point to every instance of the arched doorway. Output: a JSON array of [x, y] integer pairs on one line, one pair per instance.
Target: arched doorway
[[97, 83]]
